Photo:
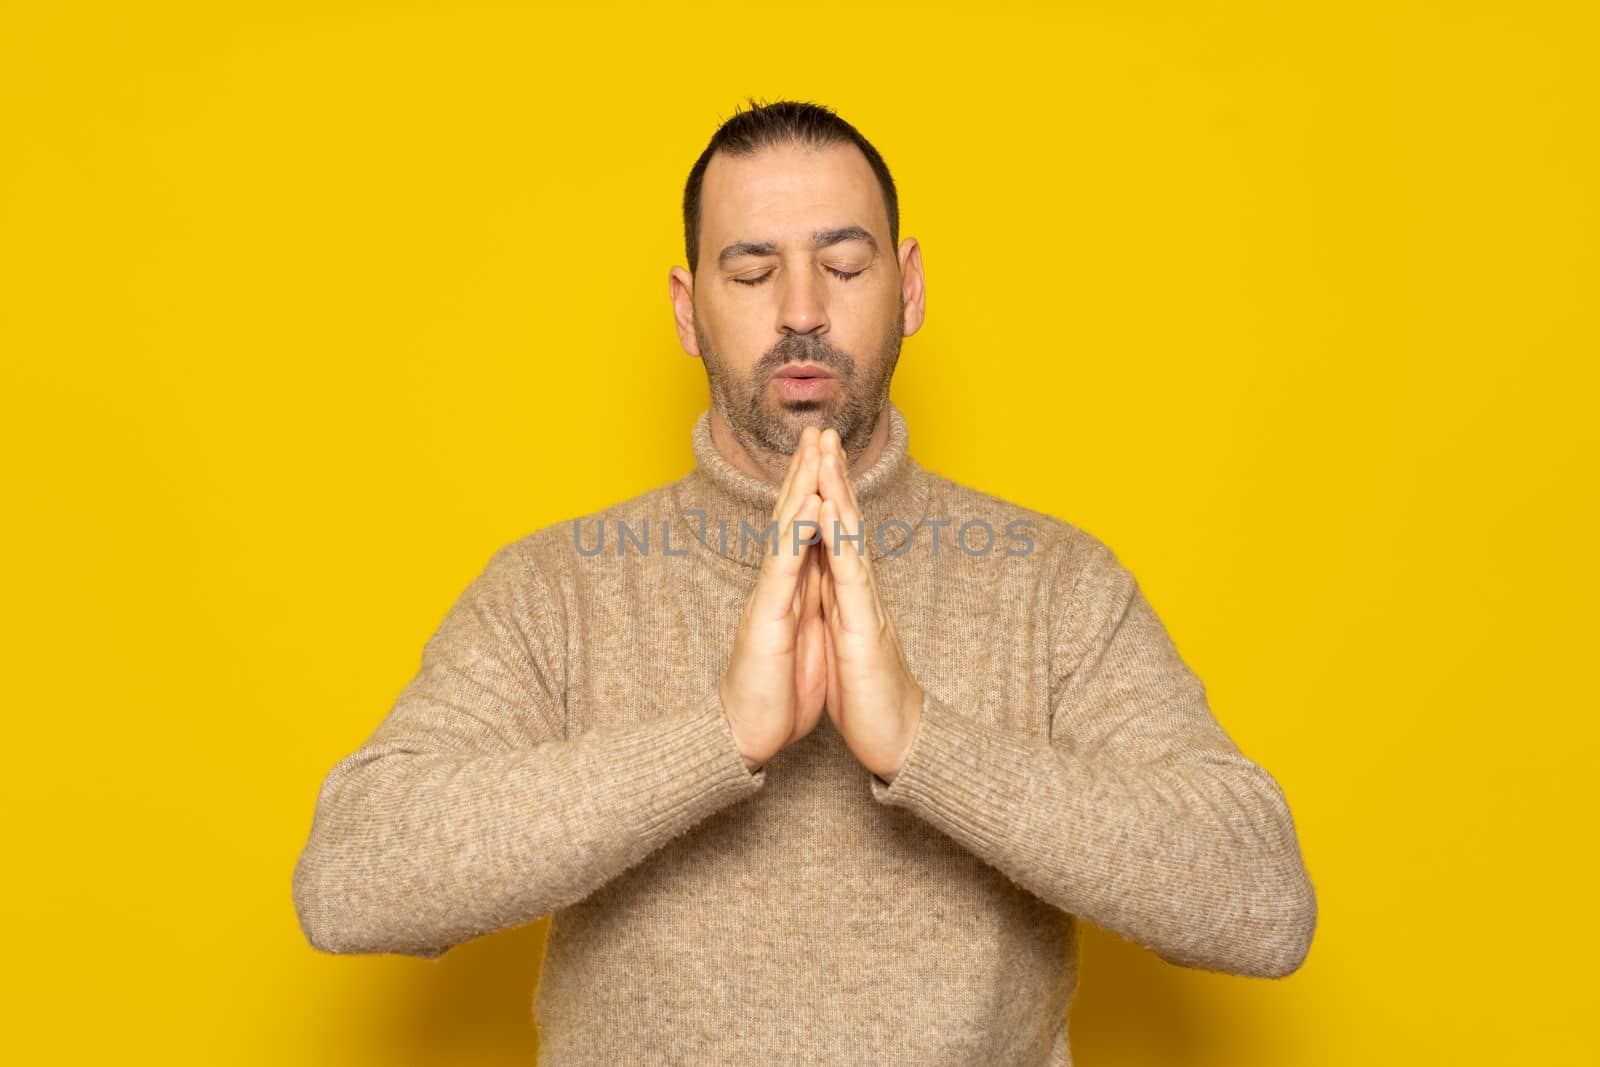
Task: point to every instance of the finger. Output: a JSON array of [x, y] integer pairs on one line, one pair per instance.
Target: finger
[[827, 579], [811, 672], [811, 602], [832, 478], [803, 479], [808, 587], [833, 474], [811, 664], [834, 693], [798, 600], [781, 570], [785, 501], [779, 580], [854, 599], [835, 478], [828, 441], [834, 484], [805, 471], [803, 490]]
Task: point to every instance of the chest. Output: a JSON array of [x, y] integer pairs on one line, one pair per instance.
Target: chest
[[649, 636]]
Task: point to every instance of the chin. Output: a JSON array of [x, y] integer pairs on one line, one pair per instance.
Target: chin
[[807, 411], [785, 420]]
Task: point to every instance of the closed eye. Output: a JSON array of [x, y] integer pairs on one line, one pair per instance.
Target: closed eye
[[841, 275]]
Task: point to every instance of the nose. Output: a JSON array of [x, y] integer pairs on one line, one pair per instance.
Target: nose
[[803, 307]]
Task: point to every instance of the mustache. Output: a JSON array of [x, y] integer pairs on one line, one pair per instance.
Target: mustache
[[804, 348]]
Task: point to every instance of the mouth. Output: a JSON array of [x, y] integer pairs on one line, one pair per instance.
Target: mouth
[[803, 371], [803, 381]]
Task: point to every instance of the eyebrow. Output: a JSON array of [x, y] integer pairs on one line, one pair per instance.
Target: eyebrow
[[819, 239]]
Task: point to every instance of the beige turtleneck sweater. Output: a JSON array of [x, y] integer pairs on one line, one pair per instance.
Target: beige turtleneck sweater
[[562, 750]]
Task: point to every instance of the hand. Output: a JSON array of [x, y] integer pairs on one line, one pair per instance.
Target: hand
[[872, 697], [776, 681]]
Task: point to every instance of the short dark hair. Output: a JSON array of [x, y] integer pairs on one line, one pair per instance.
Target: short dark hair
[[777, 123]]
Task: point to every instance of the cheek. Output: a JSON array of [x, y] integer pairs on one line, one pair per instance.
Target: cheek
[[721, 324], [734, 349], [737, 321], [877, 321], [871, 310]]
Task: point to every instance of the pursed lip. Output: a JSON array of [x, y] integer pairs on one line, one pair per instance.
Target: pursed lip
[[803, 370]]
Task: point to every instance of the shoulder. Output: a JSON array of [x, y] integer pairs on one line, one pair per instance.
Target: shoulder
[[1061, 550], [556, 555], [1075, 578]]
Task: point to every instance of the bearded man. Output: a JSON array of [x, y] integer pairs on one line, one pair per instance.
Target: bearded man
[[831, 766]]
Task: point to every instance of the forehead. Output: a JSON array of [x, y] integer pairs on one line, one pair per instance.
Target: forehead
[[784, 193]]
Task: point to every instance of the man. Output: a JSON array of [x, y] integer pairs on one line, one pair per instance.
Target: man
[[621, 721]]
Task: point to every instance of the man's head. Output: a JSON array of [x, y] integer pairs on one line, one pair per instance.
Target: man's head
[[791, 227]]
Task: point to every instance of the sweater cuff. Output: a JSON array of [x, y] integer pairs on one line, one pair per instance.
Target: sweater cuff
[[677, 769], [967, 778]]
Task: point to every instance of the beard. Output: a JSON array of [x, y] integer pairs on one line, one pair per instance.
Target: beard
[[761, 420]]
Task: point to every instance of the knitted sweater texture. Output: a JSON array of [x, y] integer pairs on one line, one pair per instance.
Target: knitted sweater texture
[[562, 751]]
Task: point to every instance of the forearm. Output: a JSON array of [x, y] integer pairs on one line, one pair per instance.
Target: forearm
[[1194, 857], [413, 850]]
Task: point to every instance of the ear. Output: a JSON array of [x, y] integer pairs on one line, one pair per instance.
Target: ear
[[911, 285], [680, 286]]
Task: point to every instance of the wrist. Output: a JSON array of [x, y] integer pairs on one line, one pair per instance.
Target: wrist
[[913, 720], [753, 760]]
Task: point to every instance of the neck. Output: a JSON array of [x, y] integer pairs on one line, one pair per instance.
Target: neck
[[723, 494], [769, 466]]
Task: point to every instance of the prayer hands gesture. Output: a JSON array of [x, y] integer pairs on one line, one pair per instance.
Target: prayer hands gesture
[[815, 634]]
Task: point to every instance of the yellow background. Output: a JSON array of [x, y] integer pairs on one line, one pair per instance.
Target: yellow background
[[310, 307]]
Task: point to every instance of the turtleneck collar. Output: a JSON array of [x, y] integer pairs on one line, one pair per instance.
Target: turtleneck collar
[[717, 500]]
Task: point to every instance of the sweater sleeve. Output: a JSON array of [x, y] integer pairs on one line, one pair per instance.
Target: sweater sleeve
[[469, 809], [1139, 813]]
